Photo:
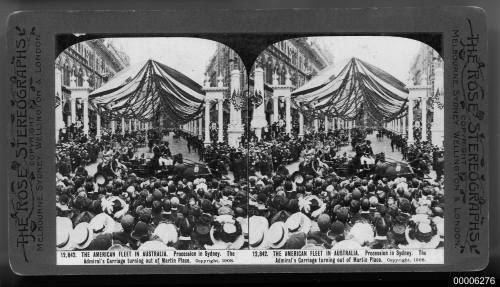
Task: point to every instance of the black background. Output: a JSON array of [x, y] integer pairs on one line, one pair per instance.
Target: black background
[[247, 45], [492, 8]]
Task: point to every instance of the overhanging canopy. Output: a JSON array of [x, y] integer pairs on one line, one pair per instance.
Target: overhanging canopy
[[359, 88], [147, 91]]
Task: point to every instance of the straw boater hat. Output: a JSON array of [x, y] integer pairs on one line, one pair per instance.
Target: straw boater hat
[[64, 226], [348, 244], [154, 245], [276, 236], [100, 179], [257, 226], [81, 236], [102, 223], [119, 247], [225, 234], [298, 222], [362, 233], [167, 233]]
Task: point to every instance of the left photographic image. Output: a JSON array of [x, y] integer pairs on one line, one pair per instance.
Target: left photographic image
[[150, 145]]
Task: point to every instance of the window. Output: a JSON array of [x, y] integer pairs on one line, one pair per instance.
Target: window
[[66, 75], [79, 78], [91, 61], [269, 73], [282, 75]]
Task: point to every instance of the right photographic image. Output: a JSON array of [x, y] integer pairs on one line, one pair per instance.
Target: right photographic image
[[346, 145]]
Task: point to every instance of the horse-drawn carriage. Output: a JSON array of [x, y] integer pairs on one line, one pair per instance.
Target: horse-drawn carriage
[[376, 165], [177, 167]]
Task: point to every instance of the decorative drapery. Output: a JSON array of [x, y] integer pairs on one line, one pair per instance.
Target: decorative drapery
[[145, 92], [359, 88]]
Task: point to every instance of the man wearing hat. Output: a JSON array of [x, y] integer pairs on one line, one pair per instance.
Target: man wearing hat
[[257, 227], [64, 227], [381, 241], [226, 233], [336, 232], [298, 225], [276, 236], [320, 237], [141, 233], [124, 236], [81, 236]]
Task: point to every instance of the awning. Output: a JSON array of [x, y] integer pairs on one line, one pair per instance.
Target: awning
[[356, 89], [147, 91]]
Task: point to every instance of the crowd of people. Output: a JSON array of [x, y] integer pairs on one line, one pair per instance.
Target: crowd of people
[[265, 206], [421, 155]]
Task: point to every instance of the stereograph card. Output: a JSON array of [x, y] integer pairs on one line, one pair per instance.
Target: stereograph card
[[234, 141]]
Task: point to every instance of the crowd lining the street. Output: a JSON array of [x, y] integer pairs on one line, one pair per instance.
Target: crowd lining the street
[[264, 205]]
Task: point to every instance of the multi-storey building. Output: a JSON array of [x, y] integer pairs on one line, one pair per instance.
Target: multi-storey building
[[300, 59], [427, 71], [80, 69]]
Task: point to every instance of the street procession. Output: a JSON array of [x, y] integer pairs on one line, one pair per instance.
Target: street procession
[[325, 143]]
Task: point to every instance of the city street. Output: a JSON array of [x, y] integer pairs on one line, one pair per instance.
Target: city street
[[176, 146], [378, 146]]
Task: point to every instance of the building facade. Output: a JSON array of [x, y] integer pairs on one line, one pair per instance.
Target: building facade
[[424, 120], [427, 71], [289, 63], [80, 69]]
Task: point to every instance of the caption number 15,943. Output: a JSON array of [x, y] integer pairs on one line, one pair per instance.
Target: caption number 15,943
[[473, 280]]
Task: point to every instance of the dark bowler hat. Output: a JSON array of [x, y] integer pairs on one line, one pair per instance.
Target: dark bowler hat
[[141, 231]]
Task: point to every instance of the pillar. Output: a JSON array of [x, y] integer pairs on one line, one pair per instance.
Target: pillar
[[220, 110], [316, 125], [73, 110], [123, 126], [85, 116], [288, 107], [288, 114], [200, 127], [437, 128], [59, 120], [417, 92], [207, 122], [410, 121], [424, 118], [401, 126], [301, 125], [326, 124], [275, 99], [98, 125], [235, 128], [113, 126], [259, 117]]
